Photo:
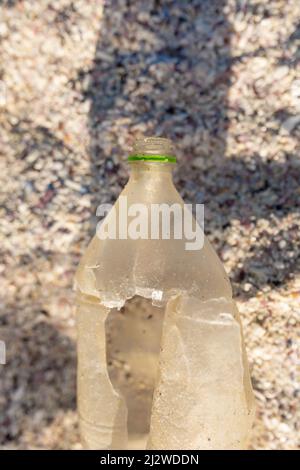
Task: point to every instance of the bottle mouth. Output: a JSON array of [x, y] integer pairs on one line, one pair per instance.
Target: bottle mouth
[[153, 149]]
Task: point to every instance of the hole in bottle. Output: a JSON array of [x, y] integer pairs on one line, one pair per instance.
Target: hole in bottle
[[133, 337]]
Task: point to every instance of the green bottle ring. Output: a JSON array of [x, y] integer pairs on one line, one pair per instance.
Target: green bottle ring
[[152, 158]]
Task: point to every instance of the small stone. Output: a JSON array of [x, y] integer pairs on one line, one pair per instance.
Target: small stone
[[247, 287]]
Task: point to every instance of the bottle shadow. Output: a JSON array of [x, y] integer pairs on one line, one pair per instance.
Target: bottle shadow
[[251, 194], [164, 69]]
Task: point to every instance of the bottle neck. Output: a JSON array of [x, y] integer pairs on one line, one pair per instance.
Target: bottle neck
[[151, 164], [146, 171]]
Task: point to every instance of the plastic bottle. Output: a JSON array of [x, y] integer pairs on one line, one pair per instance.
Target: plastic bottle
[[194, 367]]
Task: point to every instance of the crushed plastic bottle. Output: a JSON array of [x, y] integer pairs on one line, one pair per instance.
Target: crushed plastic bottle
[[191, 387]]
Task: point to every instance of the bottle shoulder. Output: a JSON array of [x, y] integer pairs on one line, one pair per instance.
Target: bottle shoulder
[[122, 264], [124, 268]]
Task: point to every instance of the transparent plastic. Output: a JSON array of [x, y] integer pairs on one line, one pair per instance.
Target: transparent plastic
[[196, 376]]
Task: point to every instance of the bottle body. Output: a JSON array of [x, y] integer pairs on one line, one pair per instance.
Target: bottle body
[[102, 411], [203, 398], [202, 390]]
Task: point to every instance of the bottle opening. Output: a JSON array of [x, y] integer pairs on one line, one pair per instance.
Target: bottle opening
[[153, 149]]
